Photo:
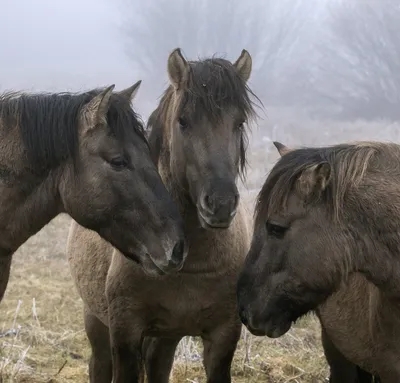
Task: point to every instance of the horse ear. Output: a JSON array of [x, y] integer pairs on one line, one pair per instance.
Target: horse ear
[[131, 92], [97, 108], [282, 149], [243, 65], [315, 178], [178, 68]]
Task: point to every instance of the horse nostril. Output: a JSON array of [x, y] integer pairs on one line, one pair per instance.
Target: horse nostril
[[208, 203], [235, 205], [236, 200], [177, 253]]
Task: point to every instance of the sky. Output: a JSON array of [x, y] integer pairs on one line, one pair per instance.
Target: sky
[[61, 45]]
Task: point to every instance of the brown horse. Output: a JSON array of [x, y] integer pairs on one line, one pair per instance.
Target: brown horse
[[86, 155], [198, 140], [341, 369], [327, 239]]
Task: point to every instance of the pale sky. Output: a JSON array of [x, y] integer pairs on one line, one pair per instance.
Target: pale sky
[[61, 45]]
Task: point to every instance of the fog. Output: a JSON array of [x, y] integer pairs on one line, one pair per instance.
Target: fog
[[334, 59], [60, 45]]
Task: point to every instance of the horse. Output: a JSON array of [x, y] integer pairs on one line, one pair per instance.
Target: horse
[[84, 154], [341, 369], [134, 322], [326, 240]]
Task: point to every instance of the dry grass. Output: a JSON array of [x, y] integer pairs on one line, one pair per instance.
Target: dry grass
[[43, 308]]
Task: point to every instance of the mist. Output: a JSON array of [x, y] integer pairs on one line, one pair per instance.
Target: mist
[[61, 45], [312, 59]]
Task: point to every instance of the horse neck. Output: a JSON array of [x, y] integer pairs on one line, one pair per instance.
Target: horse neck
[[375, 243], [384, 313], [382, 268], [25, 207], [385, 276]]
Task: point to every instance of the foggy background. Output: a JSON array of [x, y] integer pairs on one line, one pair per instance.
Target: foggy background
[[320, 66]]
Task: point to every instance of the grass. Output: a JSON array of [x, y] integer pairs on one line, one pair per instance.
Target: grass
[[44, 310]]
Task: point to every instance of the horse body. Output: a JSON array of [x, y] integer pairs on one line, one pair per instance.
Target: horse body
[[326, 239], [360, 309], [75, 154], [197, 141]]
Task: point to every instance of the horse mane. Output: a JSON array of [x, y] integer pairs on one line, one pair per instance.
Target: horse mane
[[155, 129], [213, 86], [349, 164], [48, 123]]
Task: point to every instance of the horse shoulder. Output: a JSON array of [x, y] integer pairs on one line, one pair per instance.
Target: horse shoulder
[[85, 246], [89, 258]]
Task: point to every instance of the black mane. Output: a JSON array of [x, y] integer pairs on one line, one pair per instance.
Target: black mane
[[48, 123]]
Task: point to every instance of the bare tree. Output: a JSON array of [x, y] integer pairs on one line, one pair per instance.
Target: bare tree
[[359, 64], [270, 30]]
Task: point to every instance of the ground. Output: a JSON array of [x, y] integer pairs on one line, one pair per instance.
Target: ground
[[41, 324]]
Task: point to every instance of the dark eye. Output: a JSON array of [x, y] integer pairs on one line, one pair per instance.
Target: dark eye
[[182, 123], [275, 230], [119, 162], [240, 126]]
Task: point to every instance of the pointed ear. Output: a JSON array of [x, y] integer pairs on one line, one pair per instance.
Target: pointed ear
[[97, 108], [243, 65], [315, 178], [178, 68], [282, 149], [131, 92]]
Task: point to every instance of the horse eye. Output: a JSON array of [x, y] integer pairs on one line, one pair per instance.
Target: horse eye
[[240, 126], [119, 162], [182, 123], [275, 230]]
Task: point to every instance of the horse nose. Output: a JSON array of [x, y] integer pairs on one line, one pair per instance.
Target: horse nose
[[178, 254], [208, 203], [235, 203], [215, 204]]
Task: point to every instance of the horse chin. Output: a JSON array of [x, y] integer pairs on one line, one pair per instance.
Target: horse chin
[[207, 223], [271, 329], [274, 330], [132, 257], [147, 264]]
